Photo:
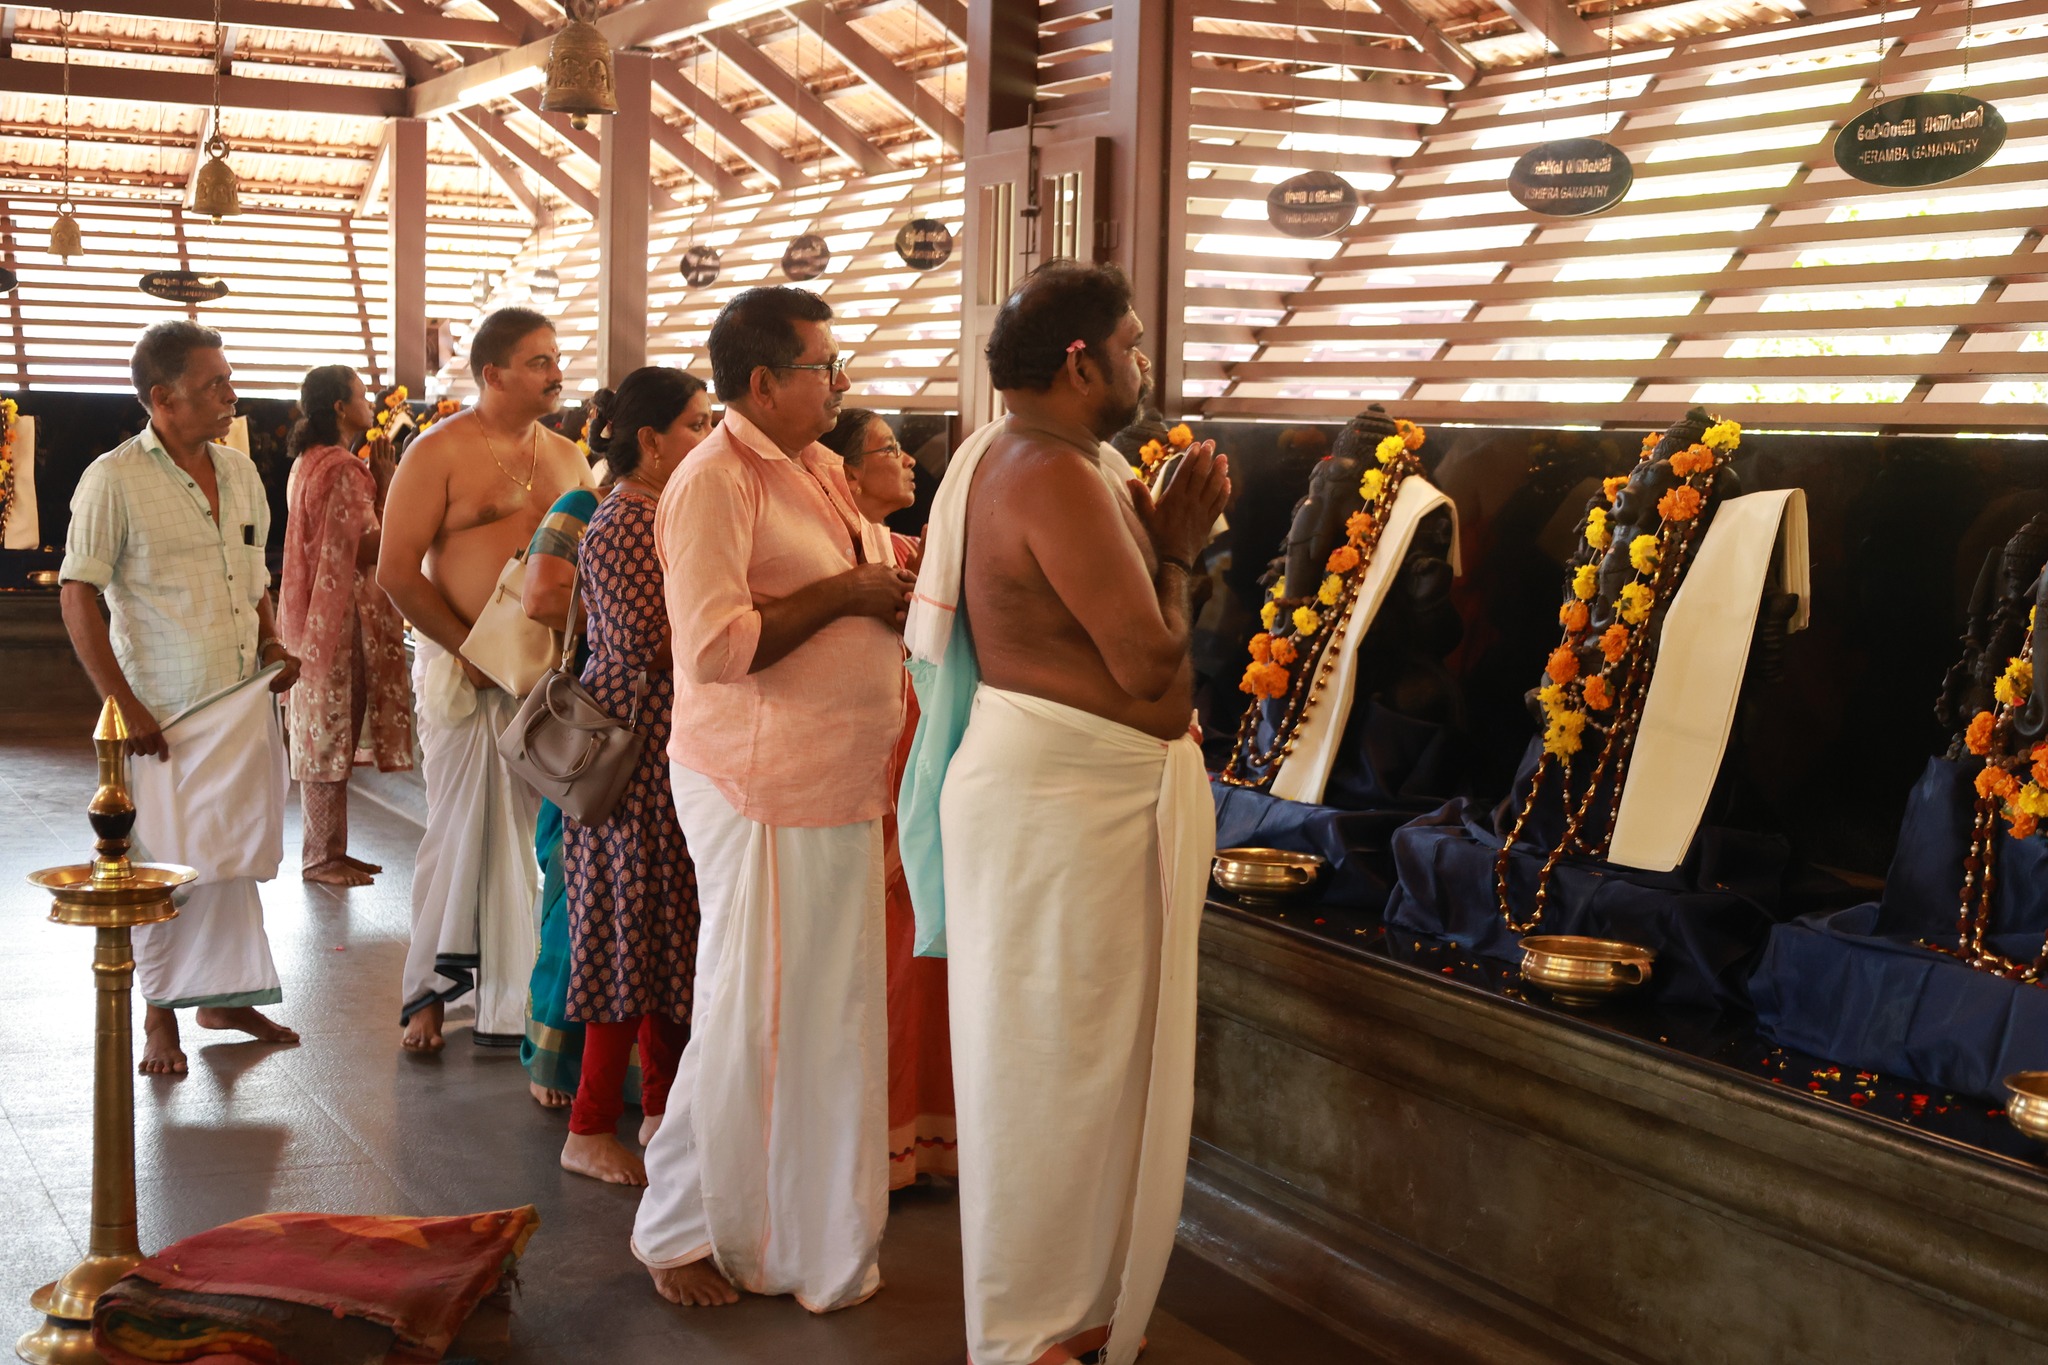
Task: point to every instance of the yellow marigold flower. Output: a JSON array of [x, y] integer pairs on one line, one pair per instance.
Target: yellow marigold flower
[[1279, 588], [1550, 697], [1723, 435], [1343, 559], [1585, 582], [1180, 438], [2030, 799], [1643, 554], [1633, 606], [1151, 453], [1306, 621], [1284, 651], [2016, 684], [1269, 614], [1598, 534], [1389, 449], [1372, 485], [1561, 737], [1332, 589]]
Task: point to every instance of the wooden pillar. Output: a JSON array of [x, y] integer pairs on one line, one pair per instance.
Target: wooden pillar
[[622, 214], [406, 221], [1141, 178], [1002, 83]]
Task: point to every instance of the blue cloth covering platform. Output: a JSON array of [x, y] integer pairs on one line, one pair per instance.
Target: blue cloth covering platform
[[1856, 987], [1707, 919]]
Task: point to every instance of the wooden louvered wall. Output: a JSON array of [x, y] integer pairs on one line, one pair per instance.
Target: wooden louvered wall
[[1743, 270]]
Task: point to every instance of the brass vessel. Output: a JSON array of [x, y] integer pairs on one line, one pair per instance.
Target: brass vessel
[[214, 191], [2026, 1106], [580, 81], [110, 895], [1584, 971], [1265, 874]]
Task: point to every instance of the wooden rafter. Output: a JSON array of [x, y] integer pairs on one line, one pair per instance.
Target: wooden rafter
[[1556, 22], [178, 87], [874, 66], [291, 18], [755, 149], [501, 170], [799, 99], [531, 157]]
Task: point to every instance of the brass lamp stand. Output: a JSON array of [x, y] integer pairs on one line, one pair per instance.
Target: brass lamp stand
[[110, 895]]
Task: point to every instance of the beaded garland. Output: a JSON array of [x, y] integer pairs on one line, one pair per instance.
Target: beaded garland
[[9, 409], [2013, 787], [1609, 701], [1315, 620]]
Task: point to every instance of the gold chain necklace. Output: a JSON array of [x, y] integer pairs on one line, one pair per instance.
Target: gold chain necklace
[[533, 465]]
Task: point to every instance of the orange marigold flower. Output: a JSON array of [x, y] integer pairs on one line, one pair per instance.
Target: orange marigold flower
[[2022, 825], [1612, 487], [1996, 781], [1599, 696], [1358, 525], [1573, 616], [1650, 442], [1180, 438], [1262, 647], [1412, 437], [1614, 643], [2040, 768], [1563, 664], [1343, 559], [1680, 504], [1694, 459], [1284, 651], [1977, 739], [1265, 680]]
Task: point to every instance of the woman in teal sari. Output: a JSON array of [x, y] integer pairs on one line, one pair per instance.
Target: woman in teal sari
[[553, 1049]]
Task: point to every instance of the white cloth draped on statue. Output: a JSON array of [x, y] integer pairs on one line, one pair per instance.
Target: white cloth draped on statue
[[773, 1158], [1305, 771], [1077, 856], [1756, 541], [216, 805], [475, 885], [23, 527]]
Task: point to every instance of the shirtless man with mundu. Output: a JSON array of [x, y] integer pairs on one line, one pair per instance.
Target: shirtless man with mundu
[[466, 498]]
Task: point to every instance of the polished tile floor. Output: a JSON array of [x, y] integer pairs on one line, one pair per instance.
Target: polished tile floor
[[345, 1123]]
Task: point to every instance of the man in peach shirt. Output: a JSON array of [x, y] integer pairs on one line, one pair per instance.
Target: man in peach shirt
[[770, 1171]]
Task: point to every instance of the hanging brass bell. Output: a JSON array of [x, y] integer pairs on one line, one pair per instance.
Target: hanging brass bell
[[579, 79], [214, 191], [64, 239]]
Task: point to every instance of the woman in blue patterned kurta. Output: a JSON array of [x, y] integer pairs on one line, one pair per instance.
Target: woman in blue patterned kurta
[[632, 891]]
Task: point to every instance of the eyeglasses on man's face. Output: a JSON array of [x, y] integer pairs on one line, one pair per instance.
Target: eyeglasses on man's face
[[833, 369]]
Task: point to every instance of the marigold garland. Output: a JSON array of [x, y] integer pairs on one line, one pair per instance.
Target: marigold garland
[[9, 410], [1153, 455], [387, 414], [2012, 786], [1268, 676], [1601, 708]]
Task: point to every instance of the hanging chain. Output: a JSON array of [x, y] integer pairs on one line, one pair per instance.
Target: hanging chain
[[1884, 10], [219, 55], [1969, 38], [1607, 80], [64, 21]]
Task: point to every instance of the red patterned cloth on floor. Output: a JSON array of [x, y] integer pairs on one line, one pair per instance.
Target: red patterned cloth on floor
[[382, 1289]]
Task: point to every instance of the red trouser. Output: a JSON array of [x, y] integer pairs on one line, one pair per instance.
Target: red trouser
[[600, 1092]]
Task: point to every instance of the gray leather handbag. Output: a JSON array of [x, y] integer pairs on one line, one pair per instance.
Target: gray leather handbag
[[566, 746]]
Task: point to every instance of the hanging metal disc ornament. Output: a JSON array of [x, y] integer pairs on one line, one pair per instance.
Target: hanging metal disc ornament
[[1571, 177], [8, 280], [1312, 204], [924, 243], [700, 266], [1920, 139], [806, 257], [546, 285]]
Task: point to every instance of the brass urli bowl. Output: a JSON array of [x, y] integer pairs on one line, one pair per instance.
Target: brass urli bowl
[[2027, 1103], [1265, 874], [1584, 971]]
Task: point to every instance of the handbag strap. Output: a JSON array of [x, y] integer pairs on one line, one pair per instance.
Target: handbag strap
[[568, 660]]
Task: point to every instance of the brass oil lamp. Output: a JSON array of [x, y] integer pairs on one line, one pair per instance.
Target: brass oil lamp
[[110, 895]]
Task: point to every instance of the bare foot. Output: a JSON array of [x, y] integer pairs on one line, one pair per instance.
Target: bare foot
[[359, 865], [340, 872], [161, 1054], [547, 1098], [423, 1030], [696, 1285], [602, 1156], [649, 1126], [245, 1019]]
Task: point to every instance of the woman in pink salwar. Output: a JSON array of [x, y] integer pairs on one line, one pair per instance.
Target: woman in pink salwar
[[354, 699]]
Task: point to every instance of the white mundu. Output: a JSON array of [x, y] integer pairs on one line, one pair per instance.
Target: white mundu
[[475, 886], [1077, 854], [216, 805], [774, 1156], [1756, 541]]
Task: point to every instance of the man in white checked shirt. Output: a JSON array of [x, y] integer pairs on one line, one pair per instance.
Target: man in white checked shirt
[[170, 527]]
